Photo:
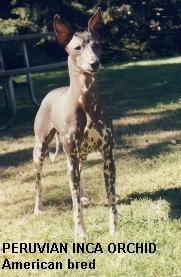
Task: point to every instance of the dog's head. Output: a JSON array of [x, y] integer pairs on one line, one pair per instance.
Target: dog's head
[[82, 47]]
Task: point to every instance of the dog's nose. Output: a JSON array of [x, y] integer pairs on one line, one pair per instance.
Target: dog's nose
[[95, 65]]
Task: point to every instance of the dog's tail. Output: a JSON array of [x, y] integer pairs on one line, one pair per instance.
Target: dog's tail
[[57, 148]]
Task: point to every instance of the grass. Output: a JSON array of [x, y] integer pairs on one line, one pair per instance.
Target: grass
[[144, 102]]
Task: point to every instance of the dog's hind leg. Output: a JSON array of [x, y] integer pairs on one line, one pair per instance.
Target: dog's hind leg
[[84, 198], [39, 152]]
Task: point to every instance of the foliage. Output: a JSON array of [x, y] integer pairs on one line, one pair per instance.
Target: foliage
[[143, 28]]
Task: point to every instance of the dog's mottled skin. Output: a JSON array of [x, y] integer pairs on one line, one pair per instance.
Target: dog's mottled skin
[[77, 114]]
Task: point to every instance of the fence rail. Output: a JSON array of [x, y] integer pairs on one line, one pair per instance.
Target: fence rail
[[31, 69], [26, 37]]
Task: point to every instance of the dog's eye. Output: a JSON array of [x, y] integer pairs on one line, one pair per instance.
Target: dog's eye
[[78, 48]]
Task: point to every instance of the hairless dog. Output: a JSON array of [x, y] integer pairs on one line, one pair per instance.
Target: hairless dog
[[77, 115]]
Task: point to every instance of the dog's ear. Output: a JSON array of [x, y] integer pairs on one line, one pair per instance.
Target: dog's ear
[[95, 23], [63, 30]]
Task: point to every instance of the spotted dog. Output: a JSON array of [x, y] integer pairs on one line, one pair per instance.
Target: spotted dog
[[78, 116]]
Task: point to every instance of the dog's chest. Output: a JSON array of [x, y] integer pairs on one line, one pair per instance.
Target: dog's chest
[[94, 139]]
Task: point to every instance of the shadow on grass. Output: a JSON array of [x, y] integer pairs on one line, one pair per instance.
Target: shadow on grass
[[166, 121], [153, 150], [16, 158], [140, 87], [171, 195], [124, 89], [23, 125], [63, 204]]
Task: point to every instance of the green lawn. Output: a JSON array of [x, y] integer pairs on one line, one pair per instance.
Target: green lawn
[[144, 100]]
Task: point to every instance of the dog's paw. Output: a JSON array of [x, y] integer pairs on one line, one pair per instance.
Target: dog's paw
[[85, 201], [38, 211]]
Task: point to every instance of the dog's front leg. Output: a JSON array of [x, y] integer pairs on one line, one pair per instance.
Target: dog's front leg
[[74, 179], [109, 176]]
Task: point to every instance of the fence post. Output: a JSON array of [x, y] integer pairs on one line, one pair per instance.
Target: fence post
[[29, 76], [12, 103], [5, 86]]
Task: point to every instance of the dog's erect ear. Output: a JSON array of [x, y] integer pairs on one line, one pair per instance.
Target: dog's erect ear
[[95, 23], [62, 30]]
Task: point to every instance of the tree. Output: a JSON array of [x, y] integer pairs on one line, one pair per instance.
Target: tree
[[132, 29]]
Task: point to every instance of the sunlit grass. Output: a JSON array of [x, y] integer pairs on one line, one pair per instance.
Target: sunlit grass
[[144, 100]]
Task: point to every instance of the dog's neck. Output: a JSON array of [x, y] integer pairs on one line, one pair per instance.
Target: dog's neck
[[83, 87]]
